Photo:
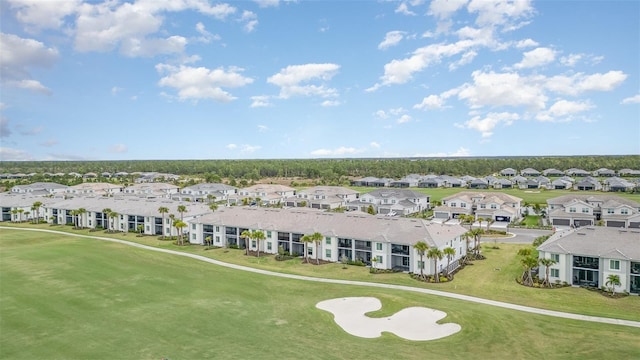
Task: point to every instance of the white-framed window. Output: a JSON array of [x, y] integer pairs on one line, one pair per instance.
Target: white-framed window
[[585, 210], [554, 272], [327, 253], [494, 206], [379, 259], [268, 234], [610, 211], [555, 257], [309, 250], [253, 243], [327, 240], [572, 209], [217, 228], [614, 264], [453, 204], [464, 205], [269, 246], [193, 226], [420, 264], [193, 236], [217, 239], [379, 246], [483, 206], [624, 211]]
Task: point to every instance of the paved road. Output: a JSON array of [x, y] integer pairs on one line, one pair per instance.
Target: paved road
[[358, 283], [521, 236]]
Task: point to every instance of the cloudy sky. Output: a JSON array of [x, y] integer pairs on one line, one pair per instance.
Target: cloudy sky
[[198, 79]]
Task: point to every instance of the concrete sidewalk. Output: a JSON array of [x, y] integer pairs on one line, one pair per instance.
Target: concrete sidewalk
[[473, 299]]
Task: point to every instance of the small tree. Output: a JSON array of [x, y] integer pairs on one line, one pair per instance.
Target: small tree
[[435, 254], [246, 235], [140, 228], [421, 247], [371, 210], [345, 261], [613, 280], [374, 259], [449, 253], [180, 225], [547, 263], [258, 236]]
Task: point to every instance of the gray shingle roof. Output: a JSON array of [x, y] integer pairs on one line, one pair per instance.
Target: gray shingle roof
[[596, 241]]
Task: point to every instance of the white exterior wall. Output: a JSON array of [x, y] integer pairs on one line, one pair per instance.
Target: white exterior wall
[[625, 268]]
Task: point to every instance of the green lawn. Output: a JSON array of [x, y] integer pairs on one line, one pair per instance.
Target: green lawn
[[73, 298]]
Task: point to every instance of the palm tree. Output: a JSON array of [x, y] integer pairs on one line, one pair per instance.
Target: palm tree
[[449, 252], [259, 236], [435, 254], [547, 263], [80, 212], [14, 212], [613, 280], [421, 247], [316, 238], [26, 214], [20, 211], [211, 198], [172, 219], [528, 262], [246, 235], [306, 239], [489, 222], [105, 217], [179, 225], [182, 209], [113, 216], [213, 206], [163, 210], [36, 206], [475, 234], [74, 215]]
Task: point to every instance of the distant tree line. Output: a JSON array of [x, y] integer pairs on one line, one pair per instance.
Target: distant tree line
[[330, 170]]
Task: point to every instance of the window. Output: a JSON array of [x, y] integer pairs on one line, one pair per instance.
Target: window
[[554, 273], [269, 234], [420, 264], [193, 226], [269, 246], [555, 257], [494, 206], [610, 211], [217, 239], [483, 206], [585, 210], [327, 240], [379, 246], [309, 250], [572, 210], [327, 253], [193, 236], [253, 243], [217, 228], [453, 204], [464, 205], [379, 259], [624, 211], [614, 264]]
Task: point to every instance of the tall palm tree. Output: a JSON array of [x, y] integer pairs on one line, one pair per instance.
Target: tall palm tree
[[306, 239], [20, 211], [435, 254], [613, 280], [180, 225], [316, 238], [163, 210], [105, 218], [26, 214], [37, 205], [421, 247], [213, 206], [80, 213], [34, 219], [258, 236], [475, 235], [182, 209], [113, 216], [547, 263], [489, 222], [172, 219], [246, 235], [449, 252], [14, 212], [528, 263], [74, 215]]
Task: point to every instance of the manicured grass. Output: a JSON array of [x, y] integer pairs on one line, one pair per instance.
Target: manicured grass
[[531, 220], [537, 196], [74, 298], [480, 279]]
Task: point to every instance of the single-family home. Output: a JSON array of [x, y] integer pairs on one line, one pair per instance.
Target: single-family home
[[152, 190], [508, 172], [529, 172], [94, 189], [577, 210], [604, 172], [588, 183], [262, 194], [552, 172], [392, 201], [206, 192], [39, 188], [496, 206], [323, 197]]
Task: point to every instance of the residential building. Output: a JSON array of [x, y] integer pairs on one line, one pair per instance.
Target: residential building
[[40, 188], [151, 190], [508, 172], [496, 206], [18, 206], [587, 256], [588, 183], [587, 210], [262, 194], [94, 189], [577, 172], [552, 172], [529, 172], [392, 201], [323, 197], [389, 240], [206, 192], [604, 172]]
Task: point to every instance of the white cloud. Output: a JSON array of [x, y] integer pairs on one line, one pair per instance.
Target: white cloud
[[579, 83], [632, 100], [115, 90], [291, 79], [38, 15], [563, 110], [267, 3], [330, 103], [392, 38], [49, 143], [130, 27], [249, 148], [9, 154], [571, 59], [500, 12], [403, 119], [335, 152], [466, 58], [205, 36], [403, 8], [202, 83], [526, 43], [232, 146], [262, 128], [375, 145], [118, 148], [250, 20], [502, 89], [430, 102], [445, 8], [19, 55], [461, 152], [486, 125], [536, 57], [260, 101]]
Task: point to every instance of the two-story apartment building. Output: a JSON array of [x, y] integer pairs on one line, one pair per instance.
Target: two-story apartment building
[[206, 192], [588, 255], [585, 210], [40, 188], [265, 194], [94, 189], [357, 237], [497, 206], [392, 201], [152, 190], [323, 197]]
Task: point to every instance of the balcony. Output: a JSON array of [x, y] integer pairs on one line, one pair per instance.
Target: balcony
[[400, 249]]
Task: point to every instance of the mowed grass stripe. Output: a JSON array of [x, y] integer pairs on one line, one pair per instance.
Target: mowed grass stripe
[[73, 298]]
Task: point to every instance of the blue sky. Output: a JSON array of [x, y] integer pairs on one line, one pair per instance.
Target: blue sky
[[198, 79]]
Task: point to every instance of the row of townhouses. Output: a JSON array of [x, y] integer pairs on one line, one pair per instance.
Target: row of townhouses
[[602, 172], [587, 256], [577, 210], [386, 241]]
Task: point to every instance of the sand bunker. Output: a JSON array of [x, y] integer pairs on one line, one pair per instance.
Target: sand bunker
[[413, 323]]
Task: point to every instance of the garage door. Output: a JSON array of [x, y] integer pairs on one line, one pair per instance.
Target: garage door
[[578, 223], [635, 225], [618, 224], [561, 222]]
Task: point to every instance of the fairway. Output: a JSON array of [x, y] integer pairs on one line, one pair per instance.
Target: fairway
[[72, 298]]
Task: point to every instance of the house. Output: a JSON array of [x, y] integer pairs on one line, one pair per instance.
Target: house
[[262, 194], [586, 210], [628, 172], [508, 172], [94, 189], [323, 197], [432, 182], [131, 213], [577, 172], [364, 181], [20, 206], [496, 206], [154, 177], [561, 184], [616, 184], [529, 172], [382, 182], [398, 201], [478, 184], [552, 172], [40, 188], [355, 237], [410, 180], [502, 184], [519, 180], [206, 192], [90, 175], [587, 256], [152, 190], [588, 184], [604, 172]]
